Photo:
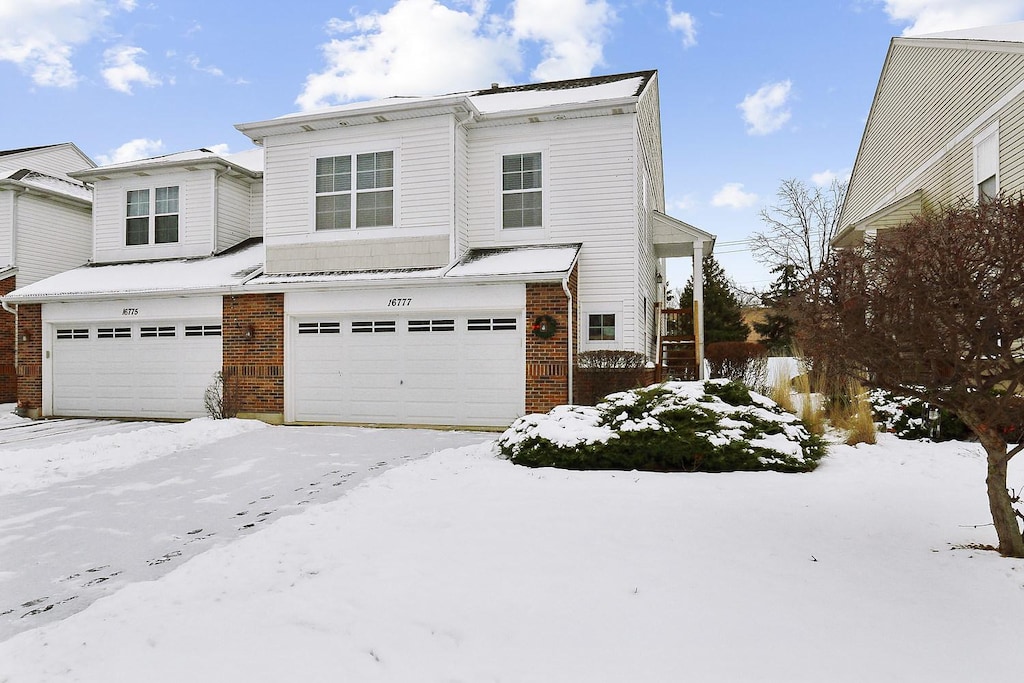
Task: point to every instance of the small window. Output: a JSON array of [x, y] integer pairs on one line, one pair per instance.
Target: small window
[[154, 221], [601, 327], [374, 326], [521, 191], [73, 333], [320, 328], [202, 330], [986, 163]]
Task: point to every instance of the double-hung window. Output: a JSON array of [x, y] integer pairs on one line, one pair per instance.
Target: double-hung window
[[521, 191], [152, 216], [355, 190]]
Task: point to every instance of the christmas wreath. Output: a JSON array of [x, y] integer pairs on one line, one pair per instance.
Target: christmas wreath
[[544, 326]]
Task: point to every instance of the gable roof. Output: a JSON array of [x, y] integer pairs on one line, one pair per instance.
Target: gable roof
[[64, 188], [934, 92], [248, 163], [595, 92], [1013, 32]]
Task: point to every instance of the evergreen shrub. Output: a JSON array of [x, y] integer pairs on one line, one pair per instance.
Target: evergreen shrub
[[714, 426]]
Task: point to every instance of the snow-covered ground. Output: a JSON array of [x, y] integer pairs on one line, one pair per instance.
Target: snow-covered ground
[[463, 567]]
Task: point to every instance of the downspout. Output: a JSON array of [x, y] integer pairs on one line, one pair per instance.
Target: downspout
[[571, 319]]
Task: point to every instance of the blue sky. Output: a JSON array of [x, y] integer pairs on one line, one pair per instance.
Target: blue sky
[[752, 91]]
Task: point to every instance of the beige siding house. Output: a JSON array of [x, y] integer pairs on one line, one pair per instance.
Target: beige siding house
[[947, 122]]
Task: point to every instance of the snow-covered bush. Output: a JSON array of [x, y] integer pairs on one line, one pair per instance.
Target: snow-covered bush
[[714, 426], [906, 418]]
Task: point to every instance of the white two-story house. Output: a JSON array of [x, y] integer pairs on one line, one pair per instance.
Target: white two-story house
[[428, 260], [45, 228]]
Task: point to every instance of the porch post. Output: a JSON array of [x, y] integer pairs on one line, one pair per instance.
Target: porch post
[[698, 306]]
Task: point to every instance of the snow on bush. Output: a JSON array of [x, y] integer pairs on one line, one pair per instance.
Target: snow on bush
[[713, 426], [906, 417]]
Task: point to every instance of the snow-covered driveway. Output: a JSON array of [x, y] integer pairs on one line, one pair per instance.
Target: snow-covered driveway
[[85, 511]]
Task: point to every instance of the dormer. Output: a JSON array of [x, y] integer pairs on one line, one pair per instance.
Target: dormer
[[182, 205]]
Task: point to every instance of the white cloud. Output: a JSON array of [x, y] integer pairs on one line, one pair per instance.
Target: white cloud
[[194, 62], [732, 196], [40, 36], [128, 5], [932, 16], [121, 69], [684, 203], [826, 177], [684, 23], [572, 33], [422, 47], [766, 110], [139, 148], [219, 149], [417, 47]]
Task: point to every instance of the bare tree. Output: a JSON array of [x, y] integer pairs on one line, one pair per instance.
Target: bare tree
[[933, 309], [800, 227]]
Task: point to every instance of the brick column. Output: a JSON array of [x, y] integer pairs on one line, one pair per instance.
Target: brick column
[[30, 358], [253, 338], [8, 374], [547, 366]]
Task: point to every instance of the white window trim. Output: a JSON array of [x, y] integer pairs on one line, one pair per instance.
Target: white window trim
[[352, 151], [586, 343], [992, 131], [523, 234], [151, 187]]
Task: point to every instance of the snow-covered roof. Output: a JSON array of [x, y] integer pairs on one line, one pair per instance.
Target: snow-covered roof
[[1013, 32], [516, 261], [213, 273], [50, 184], [250, 161], [496, 101]]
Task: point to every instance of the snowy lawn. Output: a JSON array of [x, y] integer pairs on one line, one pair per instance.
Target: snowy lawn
[[464, 567]]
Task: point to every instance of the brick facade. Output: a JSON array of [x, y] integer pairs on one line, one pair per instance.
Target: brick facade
[[8, 323], [547, 366], [253, 338], [30, 358]]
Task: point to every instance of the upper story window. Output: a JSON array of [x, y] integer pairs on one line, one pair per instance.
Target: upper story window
[[986, 164], [152, 216], [355, 190], [521, 191]]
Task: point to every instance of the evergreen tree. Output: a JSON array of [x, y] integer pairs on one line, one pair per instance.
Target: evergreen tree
[[723, 319], [778, 327]]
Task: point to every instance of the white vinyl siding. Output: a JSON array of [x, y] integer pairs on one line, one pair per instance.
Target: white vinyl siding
[[56, 161], [590, 168], [6, 228], [37, 218], [256, 209], [195, 219], [234, 202]]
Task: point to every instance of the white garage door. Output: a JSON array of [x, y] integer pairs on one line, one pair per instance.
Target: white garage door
[[445, 369], [134, 370]]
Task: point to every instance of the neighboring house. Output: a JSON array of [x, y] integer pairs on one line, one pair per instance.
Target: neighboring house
[[425, 260], [45, 228], [947, 122]]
